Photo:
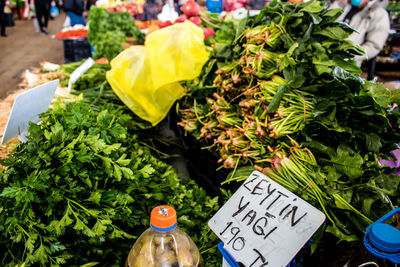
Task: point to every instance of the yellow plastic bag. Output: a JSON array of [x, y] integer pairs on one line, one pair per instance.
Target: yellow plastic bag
[[146, 78]]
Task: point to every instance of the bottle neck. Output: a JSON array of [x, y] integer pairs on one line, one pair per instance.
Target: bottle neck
[[163, 230]]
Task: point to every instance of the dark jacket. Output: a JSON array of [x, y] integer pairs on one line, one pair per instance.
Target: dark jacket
[[76, 6]]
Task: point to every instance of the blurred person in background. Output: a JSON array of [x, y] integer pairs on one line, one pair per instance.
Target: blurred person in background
[[42, 9], [151, 9], [76, 10], [2, 18], [370, 19]]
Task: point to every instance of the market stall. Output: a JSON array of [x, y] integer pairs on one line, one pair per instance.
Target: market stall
[[388, 60], [274, 96]]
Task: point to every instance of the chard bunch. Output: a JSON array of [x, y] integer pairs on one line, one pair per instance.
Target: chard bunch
[[296, 168], [229, 79], [257, 58], [258, 61], [237, 124], [231, 133], [262, 93], [295, 108], [264, 34]]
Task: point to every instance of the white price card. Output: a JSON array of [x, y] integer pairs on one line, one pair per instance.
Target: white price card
[[264, 224], [225, 263], [27, 107], [79, 72]]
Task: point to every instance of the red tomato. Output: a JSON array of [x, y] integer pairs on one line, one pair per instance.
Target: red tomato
[[196, 20], [165, 24], [181, 18], [208, 32], [191, 8]]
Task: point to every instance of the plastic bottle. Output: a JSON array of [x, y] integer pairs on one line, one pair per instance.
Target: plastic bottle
[[164, 244]]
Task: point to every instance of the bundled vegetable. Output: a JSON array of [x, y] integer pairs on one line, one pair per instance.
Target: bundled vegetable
[[108, 30], [93, 77], [281, 94], [82, 188], [271, 105]]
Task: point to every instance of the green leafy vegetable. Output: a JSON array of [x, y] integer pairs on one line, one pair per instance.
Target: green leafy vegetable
[[82, 188], [108, 30], [286, 99]]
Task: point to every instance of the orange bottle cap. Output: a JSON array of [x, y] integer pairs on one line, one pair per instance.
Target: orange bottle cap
[[163, 218]]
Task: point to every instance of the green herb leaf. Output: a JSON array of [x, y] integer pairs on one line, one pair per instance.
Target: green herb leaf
[[346, 164]]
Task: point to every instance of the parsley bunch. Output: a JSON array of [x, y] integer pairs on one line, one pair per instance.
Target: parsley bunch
[[82, 188]]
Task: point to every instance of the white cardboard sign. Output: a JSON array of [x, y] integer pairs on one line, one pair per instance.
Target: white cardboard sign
[[264, 224], [225, 263], [79, 72], [27, 107]]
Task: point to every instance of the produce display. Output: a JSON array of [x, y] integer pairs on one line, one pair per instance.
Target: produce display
[[231, 5], [76, 32], [71, 34], [108, 30], [146, 24], [281, 94], [394, 11], [131, 8], [207, 31], [93, 78], [82, 187], [191, 12]]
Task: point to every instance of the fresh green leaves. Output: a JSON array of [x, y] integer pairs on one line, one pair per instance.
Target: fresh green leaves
[[274, 104], [346, 164], [322, 106], [381, 95], [334, 33], [93, 77], [82, 188], [108, 44], [107, 30]]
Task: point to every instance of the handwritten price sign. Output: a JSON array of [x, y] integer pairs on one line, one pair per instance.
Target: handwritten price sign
[[264, 224]]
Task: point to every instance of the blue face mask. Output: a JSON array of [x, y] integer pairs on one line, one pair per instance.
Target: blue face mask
[[356, 2]]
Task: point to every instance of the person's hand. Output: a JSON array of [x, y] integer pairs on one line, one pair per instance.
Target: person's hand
[[85, 14]]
